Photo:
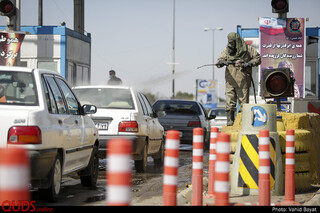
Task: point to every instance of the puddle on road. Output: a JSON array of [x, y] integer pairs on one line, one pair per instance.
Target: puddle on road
[[96, 198], [102, 164], [137, 181], [150, 183]]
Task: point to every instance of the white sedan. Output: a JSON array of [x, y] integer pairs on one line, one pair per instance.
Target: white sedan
[[124, 112], [40, 113]]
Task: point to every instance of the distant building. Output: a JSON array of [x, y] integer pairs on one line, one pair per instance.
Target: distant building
[[57, 48]]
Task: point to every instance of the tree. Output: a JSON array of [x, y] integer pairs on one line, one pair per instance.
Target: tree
[[180, 95], [184, 95], [151, 97]]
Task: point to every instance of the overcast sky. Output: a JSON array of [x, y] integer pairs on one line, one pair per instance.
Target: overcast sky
[[134, 37]]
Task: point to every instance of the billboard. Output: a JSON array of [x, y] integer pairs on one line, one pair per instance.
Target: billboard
[[282, 45], [207, 93], [10, 43]]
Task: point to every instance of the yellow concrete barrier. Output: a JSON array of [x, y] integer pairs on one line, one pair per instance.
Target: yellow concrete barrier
[[303, 139], [307, 144]]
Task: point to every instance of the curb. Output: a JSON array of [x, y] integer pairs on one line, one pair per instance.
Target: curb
[[315, 200], [185, 196]]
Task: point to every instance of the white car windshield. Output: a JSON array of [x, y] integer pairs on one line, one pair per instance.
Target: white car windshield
[[219, 112], [17, 88], [108, 98]]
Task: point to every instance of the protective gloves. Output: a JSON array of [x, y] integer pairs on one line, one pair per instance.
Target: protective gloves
[[222, 63], [248, 64]]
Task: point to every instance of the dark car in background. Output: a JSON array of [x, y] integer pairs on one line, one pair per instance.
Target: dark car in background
[[184, 116]]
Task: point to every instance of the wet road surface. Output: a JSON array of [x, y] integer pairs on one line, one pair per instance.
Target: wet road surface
[[144, 185]]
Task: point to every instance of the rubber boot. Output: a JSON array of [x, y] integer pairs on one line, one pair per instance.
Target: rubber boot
[[230, 118]]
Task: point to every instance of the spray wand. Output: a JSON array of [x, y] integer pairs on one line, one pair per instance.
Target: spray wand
[[228, 63]]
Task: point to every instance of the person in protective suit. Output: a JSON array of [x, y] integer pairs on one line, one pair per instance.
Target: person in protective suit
[[239, 58]]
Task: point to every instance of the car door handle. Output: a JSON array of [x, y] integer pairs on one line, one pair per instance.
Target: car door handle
[[60, 121], [76, 122]]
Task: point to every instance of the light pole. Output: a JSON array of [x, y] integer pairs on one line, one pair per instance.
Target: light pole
[[213, 29], [173, 48]]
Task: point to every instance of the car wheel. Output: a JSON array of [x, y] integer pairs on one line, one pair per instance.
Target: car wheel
[[53, 191], [141, 165], [90, 176], [159, 158]]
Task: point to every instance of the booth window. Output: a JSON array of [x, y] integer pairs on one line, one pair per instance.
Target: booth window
[[311, 79], [49, 65]]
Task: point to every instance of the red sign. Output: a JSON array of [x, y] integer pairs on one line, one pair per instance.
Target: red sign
[[10, 43], [282, 45]]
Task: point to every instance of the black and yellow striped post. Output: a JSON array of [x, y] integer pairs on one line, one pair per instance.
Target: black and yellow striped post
[[249, 162], [245, 169]]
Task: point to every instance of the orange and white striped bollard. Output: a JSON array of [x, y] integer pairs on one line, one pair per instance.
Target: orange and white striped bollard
[[14, 175], [222, 168], [264, 168], [289, 196], [171, 163], [197, 167], [119, 172]]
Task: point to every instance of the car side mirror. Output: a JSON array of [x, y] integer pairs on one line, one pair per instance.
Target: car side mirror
[[155, 115], [160, 114], [212, 117], [89, 109]]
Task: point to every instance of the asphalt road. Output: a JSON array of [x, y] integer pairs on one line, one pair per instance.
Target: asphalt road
[[147, 187], [144, 185]]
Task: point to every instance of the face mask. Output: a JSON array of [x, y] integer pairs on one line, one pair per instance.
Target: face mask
[[232, 44], [232, 51], [232, 47]]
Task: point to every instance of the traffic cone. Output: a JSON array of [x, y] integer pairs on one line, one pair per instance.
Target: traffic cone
[[14, 175], [119, 172], [222, 168], [197, 167], [264, 168], [289, 197], [171, 163], [212, 160]]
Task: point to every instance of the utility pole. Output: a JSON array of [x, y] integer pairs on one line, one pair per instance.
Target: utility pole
[[213, 60], [78, 19], [173, 49], [40, 13]]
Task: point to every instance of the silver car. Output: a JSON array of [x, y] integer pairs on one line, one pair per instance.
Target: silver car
[[220, 117]]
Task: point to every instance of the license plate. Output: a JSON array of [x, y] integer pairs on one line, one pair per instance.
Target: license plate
[[102, 126]]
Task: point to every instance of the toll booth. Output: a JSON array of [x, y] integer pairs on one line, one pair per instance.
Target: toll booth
[[57, 48], [311, 100]]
